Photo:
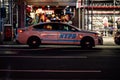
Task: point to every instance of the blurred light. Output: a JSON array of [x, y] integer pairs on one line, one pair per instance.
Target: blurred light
[[48, 6], [67, 6], [32, 15], [39, 10], [9, 52], [80, 36]]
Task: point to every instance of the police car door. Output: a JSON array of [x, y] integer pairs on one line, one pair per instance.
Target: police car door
[[49, 35], [66, 35]]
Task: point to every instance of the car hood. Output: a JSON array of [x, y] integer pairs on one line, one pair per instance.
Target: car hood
[[85, 31]]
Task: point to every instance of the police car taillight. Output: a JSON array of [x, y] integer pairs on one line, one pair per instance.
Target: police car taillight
[[20, 30]]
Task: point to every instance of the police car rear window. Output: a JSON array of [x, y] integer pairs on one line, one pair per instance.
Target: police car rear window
[[38, 27]]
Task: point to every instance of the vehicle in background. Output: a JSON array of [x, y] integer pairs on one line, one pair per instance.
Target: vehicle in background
[[57, 33], [117, 37], [100, 38]]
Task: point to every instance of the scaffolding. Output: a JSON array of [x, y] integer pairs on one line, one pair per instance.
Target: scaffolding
[[94, 10], [10, 7]]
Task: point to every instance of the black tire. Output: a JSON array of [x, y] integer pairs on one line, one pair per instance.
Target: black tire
[[117, 40], [100, 41], [87, 43], [34, 42]]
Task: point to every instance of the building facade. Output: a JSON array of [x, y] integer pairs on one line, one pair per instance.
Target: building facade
[[88, 14], [100, 14]]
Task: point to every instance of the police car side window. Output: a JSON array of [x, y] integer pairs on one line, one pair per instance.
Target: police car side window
[[60, 27], [38, 27], [72, 29], [48, 27], [67, 28], [54, 27]]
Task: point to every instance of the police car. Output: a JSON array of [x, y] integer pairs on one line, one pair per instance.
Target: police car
[[56, 33]]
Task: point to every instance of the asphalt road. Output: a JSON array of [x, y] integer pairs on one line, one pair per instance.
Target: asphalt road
[[53, 62]]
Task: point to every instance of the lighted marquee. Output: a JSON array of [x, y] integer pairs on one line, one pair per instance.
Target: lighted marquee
[[40, 10]]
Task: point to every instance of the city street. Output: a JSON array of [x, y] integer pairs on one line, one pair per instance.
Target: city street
[[27, 24], [54, 62]]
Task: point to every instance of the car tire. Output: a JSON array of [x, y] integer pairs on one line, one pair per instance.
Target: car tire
[[117, 40], [34, 42], [100, 41], [87, 43]]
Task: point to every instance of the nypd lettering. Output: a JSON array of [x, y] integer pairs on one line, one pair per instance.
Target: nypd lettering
[[68, 36]]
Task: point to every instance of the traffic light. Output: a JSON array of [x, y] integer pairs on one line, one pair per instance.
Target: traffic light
[[3, 12]]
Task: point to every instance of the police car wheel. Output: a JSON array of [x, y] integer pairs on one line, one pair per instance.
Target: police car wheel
[[34, 42], [87, 43]]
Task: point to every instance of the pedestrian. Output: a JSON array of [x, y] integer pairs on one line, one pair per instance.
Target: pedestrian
[[111, 30]]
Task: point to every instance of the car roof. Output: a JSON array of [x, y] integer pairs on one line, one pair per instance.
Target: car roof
[[84, 31], [52, 23]]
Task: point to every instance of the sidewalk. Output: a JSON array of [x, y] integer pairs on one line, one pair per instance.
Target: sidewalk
[[108, 40]]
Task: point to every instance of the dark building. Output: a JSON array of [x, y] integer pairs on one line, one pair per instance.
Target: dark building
[[88, 15]]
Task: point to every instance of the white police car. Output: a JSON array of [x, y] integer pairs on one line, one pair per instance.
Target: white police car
[[56, 33]]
